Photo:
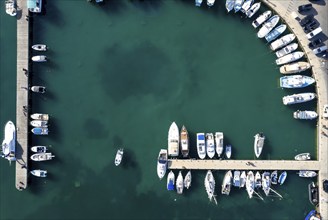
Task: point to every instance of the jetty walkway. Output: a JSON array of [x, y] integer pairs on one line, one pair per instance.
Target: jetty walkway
[[22, 100]]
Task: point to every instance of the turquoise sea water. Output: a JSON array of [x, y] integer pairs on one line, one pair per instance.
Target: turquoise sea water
[[117, 76]]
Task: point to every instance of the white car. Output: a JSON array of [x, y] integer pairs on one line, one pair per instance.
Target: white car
[[325, 111], [320, 49], [314, 33]]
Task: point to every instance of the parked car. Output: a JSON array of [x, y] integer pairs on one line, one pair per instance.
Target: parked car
[[303, 8], [313, 24], [306, 20], [315, 43], [314, 33], [325, 186], [320, 49]]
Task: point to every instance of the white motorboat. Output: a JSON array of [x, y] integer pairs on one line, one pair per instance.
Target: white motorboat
[[38, 89], [283, 41], [11, 7], [274, 177], [162, 163], [287, 50], [294, 67], [298, 98], [228, 151], [268, 26], [258, 180], [305, 115], [209, 183], [201, 148], [290, 58], [40, 47], [226, 184], [9, 142], [295, 81], [282, 177], [236, 178], [230, 5], [210, 147], [307, 173], [210, 3], [39, 58], [42, 156], [40, 131], [325, 111], [173, 140], [39, 116], [198, 2], [39, 149], [119, 156], [266, 183], [275, 33], [255, 7], [184, 139], [261, 19], [242, 179], [39, 123], [34, 6], [250, 184], [219, 143], [258, 144], [247, 5], [39, 173], [179, 183], [170, 181], [187, 180], [303, 156], [238, 5]]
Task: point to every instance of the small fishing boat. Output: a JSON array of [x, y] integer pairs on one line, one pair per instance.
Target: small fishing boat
[[38, 89], [294, 67], [283, 41], [228, 151], [242, 179], [238, 5], [275, 33], [307, 115], [42, 156], [258, 143], [266, 183], [39, 58], [39, 149], [119, 156], [253, 9], [39, 47], [303, 156], [184, 139], [40, 131], [219, 143], [39, 116], [296, 81], [162, 163], [298, 98], [226, 184], [268, 26], [39, 173], [313, 194], [287, 50], [282, 177], [230, 5], [198, 2], [250, 184], [39, 123], [179, 183], [274, 177], [11, 7], [290, 58], [247, 5], [210, 148], [313, 215], [173, 140], [262, 18], [210, 2], [307, 173], [236, 178], [258, 180], [170, 181], [187, 180], [209, 183], [201, 148]]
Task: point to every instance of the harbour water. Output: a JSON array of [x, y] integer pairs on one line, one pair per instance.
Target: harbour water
[[117, 76]]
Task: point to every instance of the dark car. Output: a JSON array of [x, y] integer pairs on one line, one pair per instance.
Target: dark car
[[306, 20], [315, 43], [303, 8], [325, 186], [313, 24]]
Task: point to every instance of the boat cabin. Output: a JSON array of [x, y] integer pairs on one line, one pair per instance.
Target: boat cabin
[[34, 6]]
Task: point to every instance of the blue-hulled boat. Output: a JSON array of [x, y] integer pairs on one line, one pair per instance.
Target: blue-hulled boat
[[313, 215], [198, 2], [275, 33], [296, 81], [282, 177], [170, 181], [230, 4], [40, 131]]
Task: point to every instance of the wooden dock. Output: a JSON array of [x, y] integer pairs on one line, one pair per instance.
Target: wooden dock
[[22, 101]]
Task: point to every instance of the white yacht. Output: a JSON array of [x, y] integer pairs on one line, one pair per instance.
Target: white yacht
[[40, 116], [305, 115], [238, 5], [290, 58], [296, 81], [287, 50], [184, 140], [40, 47], [294, 67], [39, 173], [173, 140], [119, 156], [262, 18], [179, 183], [226, 184], [42, 156], [253, 9], [198, 2], [201, 148], [210, 147], [210, 3], [162, 163], [236, 178], [187, 180], [266, 183], [283, 41], [307, 173], [219, 143], [259, 139], [39, 123], [275, 33], [39, 58], [39, 149], [303, 156], [247, 5], [9, 142], [11, 7], [209, 183], [38, 89], [230, 5], [170, 181], [242, 179], [250, 184], [268, 26], [298, 98]]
